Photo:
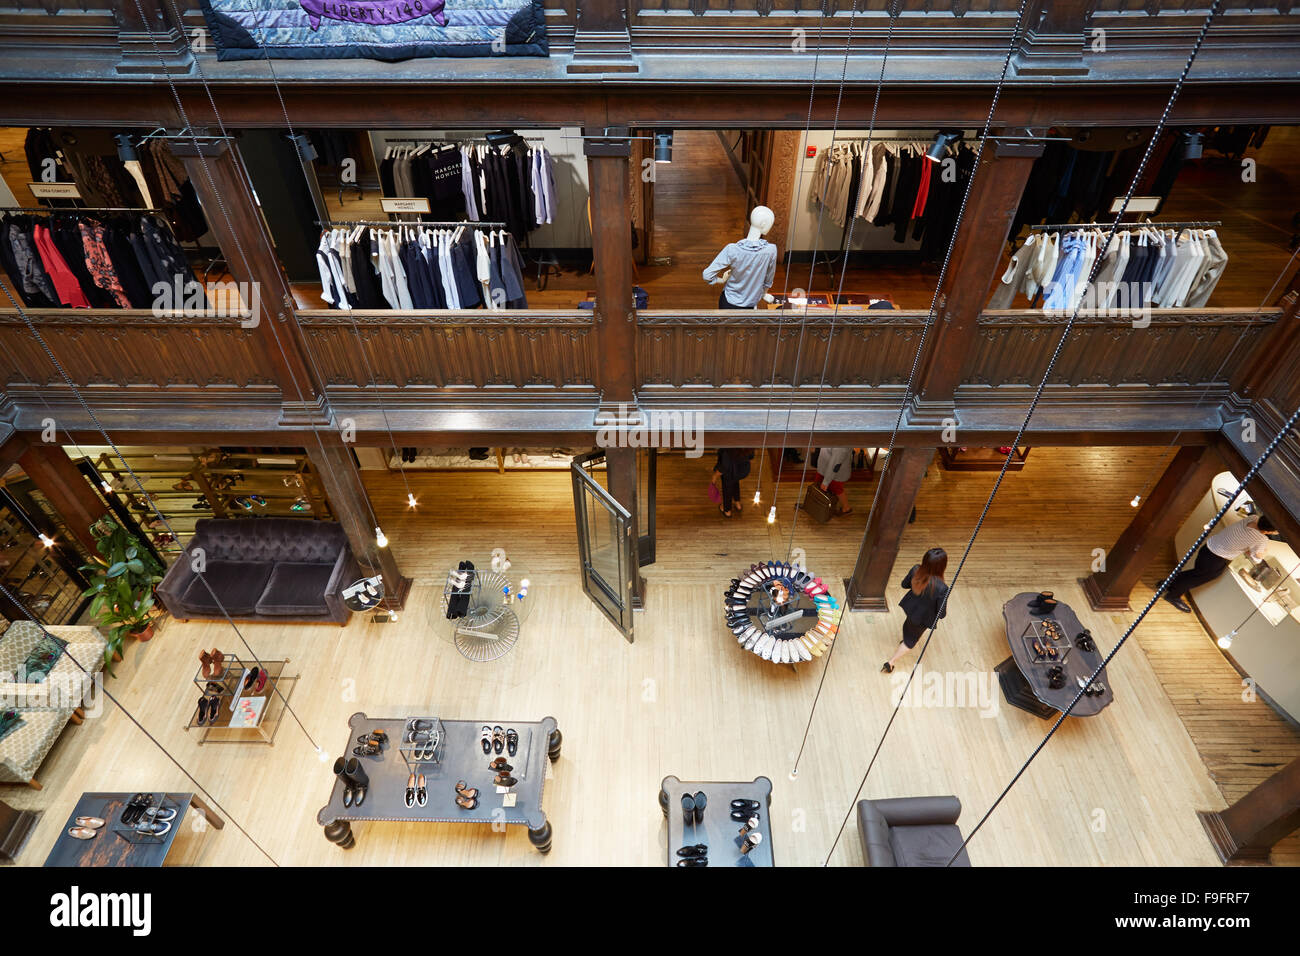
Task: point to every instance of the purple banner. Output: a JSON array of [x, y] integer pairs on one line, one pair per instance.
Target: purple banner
[[373, 12]]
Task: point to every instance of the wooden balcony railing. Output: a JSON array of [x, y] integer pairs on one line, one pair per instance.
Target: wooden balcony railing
[[132, 348], [452, 349]]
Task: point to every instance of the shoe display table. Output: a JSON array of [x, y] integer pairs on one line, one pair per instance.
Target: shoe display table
[[1024, 676], [235, 724], [462, 758], [717, 830], [110, 847]]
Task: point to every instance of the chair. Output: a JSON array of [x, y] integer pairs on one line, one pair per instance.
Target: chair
[[911, 831]]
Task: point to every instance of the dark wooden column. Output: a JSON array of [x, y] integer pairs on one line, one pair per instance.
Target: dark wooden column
[[1276, 355], [341, 478], [148, 42], [66, 488], [976, 255], [1184, 482], [236, 221], [1053, 40], [615, 314], [866, 590], [1246, 831]]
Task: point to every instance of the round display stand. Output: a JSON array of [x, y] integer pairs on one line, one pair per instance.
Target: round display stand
[[780, 612], [491, 624]]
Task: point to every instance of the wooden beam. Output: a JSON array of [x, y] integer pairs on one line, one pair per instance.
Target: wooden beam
[[339, 474], [233, 214], [998, 183], [900, 483], [66, 488], [611, 241], [1175, 495], [1277, 354], [1246, 831]]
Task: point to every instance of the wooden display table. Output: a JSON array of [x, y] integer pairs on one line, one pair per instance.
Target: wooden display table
[[110, 848], [1024, 675], [462, 759], [235, 723], [717, 830]]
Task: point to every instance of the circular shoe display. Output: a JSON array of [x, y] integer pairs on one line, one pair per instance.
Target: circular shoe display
[[781, 613]]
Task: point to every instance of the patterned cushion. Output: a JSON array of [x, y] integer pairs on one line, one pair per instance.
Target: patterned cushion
[[42, 658], [67, 684], [22, 752]]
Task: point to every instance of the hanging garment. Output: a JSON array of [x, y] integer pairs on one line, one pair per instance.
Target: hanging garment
[[99, 264], [1061, 290], [1215, 262], [31, 273], [1017, 272]]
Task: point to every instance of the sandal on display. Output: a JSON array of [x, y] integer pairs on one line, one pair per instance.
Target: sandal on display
[[89, 823], [203, 712], [421, 793], [410, 790], [82, 833], [504, 780], [467, 803], [486, 740], [512, 741], [499, 764], [498, 739], [469, 793]]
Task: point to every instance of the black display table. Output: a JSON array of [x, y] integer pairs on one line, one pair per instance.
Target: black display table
[[717, 830], [111, 849], [462, 759], [1023, 676]]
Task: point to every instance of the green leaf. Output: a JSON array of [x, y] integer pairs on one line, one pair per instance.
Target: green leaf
[[131, 552], [116, 569], [136, 566]]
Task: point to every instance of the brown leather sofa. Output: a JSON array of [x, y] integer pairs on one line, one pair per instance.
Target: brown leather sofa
[[263, 569], [911, 831]]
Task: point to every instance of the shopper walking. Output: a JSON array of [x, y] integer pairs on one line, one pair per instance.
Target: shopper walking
[[729, 470], [1249, 536], [926, 593], [835, 467]]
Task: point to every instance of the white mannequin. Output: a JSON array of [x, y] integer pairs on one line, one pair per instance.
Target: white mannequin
[[760, 223]]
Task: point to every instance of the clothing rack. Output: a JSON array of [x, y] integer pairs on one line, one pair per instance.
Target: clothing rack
[[1066, 227], [386, 223], [456, 141]]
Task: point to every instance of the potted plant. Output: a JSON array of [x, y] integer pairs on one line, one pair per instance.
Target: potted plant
[[122, 582]]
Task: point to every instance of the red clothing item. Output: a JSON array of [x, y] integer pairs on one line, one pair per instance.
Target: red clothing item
[[930, 169], [65, 283]]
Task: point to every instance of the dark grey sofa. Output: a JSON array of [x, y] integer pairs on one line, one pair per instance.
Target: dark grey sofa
[[263, 569], [911, 831]]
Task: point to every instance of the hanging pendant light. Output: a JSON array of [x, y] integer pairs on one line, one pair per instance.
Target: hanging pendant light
[[1225, 642], [1137, 500], [380, 538], [757, 499], [410, 499], [392, 615], [771, 515], [46, 540]]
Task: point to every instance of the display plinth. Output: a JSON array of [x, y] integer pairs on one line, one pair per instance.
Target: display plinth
[[461, 758], [717, 830], [1025, 676]]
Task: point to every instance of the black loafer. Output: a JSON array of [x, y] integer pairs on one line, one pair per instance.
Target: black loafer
[[694, 861], [742, 804], [698, 849]]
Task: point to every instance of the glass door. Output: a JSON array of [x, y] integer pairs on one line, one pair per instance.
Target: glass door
[[647, 466], [607, 544]]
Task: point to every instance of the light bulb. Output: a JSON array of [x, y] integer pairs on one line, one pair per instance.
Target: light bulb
[[794, 774], [757, 499], [380, 538], [410, 500], [392, 615], [324, 757], [1226, 641], [1137, 500], [106, 486], [47, 540], [771, 515]]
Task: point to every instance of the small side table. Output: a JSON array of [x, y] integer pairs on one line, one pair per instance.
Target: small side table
[[717, 830], [109, 849]]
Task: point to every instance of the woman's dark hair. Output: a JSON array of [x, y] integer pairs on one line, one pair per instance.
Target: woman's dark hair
[[1265, 525], [933, 564]]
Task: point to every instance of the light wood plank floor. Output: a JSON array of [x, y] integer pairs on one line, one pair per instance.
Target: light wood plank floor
[[1118, 789]]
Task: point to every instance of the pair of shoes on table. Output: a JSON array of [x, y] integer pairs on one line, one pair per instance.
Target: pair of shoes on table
[[466, 797], [135, 808], [371, 744], [209, 705], [696, 855], [744, 810], [255, 679], [213, 663], [416, 792], [1043, 604], [496, 740], [85, 828], [354, 778], [693, 806]]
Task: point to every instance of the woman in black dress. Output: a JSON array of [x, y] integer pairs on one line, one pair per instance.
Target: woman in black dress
[[926, 593], [732, 465]]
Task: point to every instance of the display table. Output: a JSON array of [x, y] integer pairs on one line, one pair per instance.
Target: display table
[[234, 723], [462, 759], [1024, 675], [717, 830], [111, 849]]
